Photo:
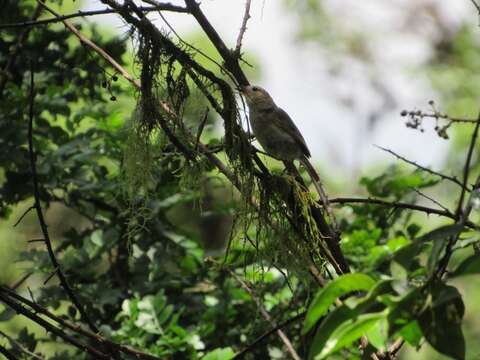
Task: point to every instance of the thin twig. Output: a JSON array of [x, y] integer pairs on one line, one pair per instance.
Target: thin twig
[[476, 5], [453, 179], [262, 337], [395, 204], [7, 353], [243, 28], [186, 43], [86, 41], [200, 128], [41, 218], [20, 347], [231, 63], [23, 215], [20, 281], [83, 14], [436, 202], [49, 277], [436, 115], [36, 240], [20, 309], [76, 328], [400, 205], [266, 315], [466, 170]]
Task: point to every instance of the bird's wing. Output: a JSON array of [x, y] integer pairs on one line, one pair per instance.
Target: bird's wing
[[283, 121]]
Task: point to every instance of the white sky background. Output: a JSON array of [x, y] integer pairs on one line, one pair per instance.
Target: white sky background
[[298, 76]]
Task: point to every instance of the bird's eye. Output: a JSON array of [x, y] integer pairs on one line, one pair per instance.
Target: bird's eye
[[255, 88]]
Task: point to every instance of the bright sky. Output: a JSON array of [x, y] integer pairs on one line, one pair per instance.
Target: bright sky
[[332, 111]]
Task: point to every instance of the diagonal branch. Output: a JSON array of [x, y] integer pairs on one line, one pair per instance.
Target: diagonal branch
[[20, 309], [262, 337], [97, 338], [231, 63], [453, 179], [41, 218], [95, 47]]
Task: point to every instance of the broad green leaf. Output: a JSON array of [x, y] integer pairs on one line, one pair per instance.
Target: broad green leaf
[[349, 332], [442, 233], [406, 257], [325, 297], [220, 354], [470, 265], [351, 309], [411, 333], [441, 321], [378, 334], [333, 320], [403, 311]]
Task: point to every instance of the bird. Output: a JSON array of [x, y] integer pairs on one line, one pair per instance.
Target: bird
[[280, 138], [273, 127], [276, 131]]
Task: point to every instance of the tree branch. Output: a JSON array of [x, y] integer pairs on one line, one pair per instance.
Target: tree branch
[[262, 337], [83, 14], [243, 28], [231, 62], [453, 179], [266, 315], [20, 309], [97, 338], [41, 219], [466, 170]]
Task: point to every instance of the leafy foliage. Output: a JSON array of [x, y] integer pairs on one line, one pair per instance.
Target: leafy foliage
[[145, 216]]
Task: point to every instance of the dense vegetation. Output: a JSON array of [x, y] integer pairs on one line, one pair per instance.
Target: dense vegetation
[[152, 236]]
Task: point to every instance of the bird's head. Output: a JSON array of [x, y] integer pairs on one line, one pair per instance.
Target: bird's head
[[257, 97]]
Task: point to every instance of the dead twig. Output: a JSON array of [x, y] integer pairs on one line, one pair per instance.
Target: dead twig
[[243, 28]]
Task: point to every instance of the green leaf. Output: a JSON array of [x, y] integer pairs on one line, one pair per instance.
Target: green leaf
[[403, 311], [442, 233], [333, 320], [325, 297], [378, 334], [411, 333], [7, 314], [470, 265], [441, 321], [220, 354], [350, 331], [439, 237]]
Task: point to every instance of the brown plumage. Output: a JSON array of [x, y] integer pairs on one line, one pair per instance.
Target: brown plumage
[[273, 128]]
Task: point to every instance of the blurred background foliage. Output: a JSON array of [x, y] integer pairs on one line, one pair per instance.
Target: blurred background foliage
[[158, 288]]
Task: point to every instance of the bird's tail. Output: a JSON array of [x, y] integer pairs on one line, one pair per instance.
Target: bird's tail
[[319, 188]]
